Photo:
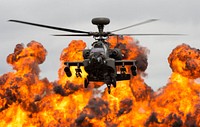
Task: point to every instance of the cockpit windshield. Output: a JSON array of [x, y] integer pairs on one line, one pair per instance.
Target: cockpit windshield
[[101, 50], [98, 47]]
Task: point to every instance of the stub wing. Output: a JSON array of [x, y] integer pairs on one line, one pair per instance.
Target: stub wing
[[78, 70], [124, 62], [123, 75], [117, 63], [75, 63]]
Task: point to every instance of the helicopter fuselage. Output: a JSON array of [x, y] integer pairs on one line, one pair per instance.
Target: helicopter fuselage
[[98, 63]]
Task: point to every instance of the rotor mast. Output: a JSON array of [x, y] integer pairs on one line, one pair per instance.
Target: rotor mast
[[100, 22]]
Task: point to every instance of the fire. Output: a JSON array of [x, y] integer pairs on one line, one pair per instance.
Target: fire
[[186, 61], [28, 100], [72, 53]]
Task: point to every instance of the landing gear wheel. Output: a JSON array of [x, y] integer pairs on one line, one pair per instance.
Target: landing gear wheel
[[114, 83], [109, 91], [86, 82], [108, 88]]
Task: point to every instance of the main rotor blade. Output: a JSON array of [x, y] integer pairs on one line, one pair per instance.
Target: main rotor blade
[[148, 21], [148, 34], [71, 35], [50, 27]]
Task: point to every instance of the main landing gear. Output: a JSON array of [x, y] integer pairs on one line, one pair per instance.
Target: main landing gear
[[86, 82], [109, 85], [109, 80]]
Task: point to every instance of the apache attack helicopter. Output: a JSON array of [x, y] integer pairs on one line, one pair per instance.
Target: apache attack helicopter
[[100, 61]]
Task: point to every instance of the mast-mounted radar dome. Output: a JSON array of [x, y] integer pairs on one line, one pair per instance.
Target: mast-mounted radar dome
[[100, 21]]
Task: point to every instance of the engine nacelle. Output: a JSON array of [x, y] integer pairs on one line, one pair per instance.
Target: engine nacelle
[[86, 53], [115, 53]]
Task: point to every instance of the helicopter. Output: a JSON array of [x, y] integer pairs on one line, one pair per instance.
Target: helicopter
[[100, 62]]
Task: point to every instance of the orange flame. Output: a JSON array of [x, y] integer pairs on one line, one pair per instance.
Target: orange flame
[[186, 61], [27, 100]]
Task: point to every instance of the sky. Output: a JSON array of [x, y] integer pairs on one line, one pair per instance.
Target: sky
[[175, 17]]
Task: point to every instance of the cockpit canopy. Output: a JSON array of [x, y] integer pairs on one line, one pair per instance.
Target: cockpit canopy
[[98, 44], [98, 47]]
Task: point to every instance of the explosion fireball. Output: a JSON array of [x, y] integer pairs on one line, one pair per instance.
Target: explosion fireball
[[27, 100]]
